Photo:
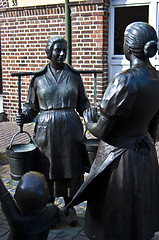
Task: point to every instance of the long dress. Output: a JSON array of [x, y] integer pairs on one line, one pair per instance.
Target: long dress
[[122, 189], [58, 132]]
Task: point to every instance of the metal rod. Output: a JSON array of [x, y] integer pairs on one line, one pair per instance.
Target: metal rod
[[95, 89], [23, 74], [16, 74], [19, 98], [68, 31], [89, 71], [19, 94]]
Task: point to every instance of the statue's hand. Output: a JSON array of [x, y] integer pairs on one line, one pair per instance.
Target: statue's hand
[[20, 119], [90, 115]]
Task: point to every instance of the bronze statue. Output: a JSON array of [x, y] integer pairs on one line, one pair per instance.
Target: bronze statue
[[28, 216], [122, 189], [56, 93]]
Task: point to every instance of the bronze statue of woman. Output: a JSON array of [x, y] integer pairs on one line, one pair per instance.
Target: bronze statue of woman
[[122, 189], [58, 93]]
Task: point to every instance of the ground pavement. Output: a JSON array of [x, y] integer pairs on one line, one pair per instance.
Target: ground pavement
[[62, 232]]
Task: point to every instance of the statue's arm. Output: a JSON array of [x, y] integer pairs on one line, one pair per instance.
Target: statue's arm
[[82, 100], [30, 107], [117, 102], [8, 205], [28, 114], [101, 128]]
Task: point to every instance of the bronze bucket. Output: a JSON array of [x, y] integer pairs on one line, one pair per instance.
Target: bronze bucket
[[91, 146], [22, 157]]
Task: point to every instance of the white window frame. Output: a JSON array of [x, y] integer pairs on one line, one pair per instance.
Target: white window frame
[[153, 20], [120, 3]]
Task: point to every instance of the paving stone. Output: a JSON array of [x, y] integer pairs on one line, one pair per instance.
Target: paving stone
[[155, 238], [50, 238], [3, 232], [5, 226], [5, 237], [82, 233], [79, 237], [63, 237]]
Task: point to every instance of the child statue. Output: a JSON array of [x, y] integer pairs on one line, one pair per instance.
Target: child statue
[[27, 214]]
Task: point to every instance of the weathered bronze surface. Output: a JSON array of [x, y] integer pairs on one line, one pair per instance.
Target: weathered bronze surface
[[27, 214], [122, 190], [54, 95]]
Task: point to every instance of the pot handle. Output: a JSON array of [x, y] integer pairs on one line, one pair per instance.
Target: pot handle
[[11, 142]]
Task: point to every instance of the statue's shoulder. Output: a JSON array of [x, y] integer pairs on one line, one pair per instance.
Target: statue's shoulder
[[125, 80], [124, 77], [42, 71], [72, 69], [38, 74], [124, 74]]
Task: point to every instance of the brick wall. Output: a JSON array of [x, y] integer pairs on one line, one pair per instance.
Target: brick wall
[[90, 43], [24, 32], [4, 3]]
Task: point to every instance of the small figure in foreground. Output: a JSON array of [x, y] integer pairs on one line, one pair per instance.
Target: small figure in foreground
[[122, 189], [28, 216]]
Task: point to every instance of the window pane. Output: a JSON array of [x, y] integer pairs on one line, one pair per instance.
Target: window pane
[[123, 17]]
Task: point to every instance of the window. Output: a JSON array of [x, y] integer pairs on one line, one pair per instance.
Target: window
[[123, 17]]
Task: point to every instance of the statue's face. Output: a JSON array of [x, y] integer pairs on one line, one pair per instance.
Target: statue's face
[[59, 52]]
